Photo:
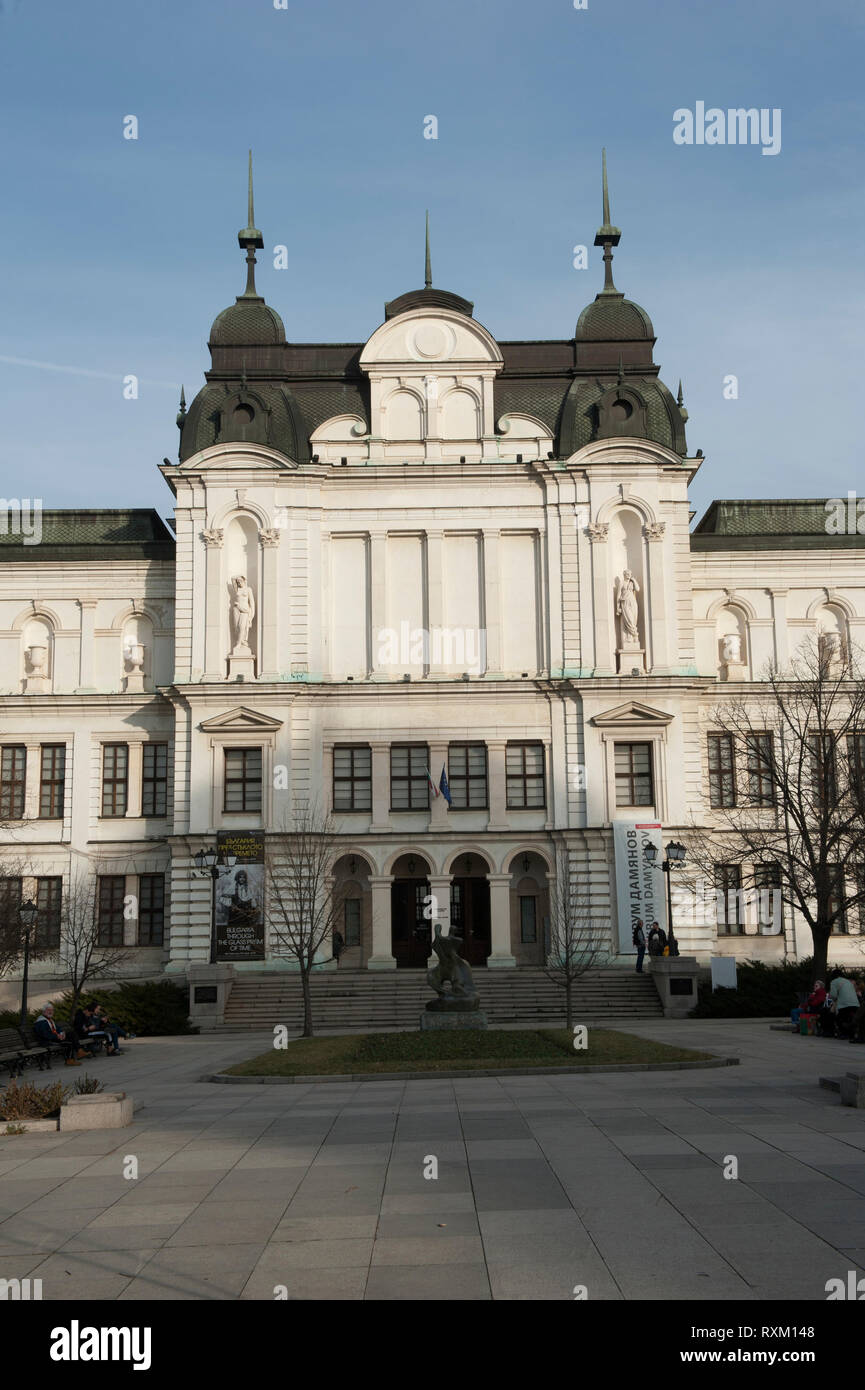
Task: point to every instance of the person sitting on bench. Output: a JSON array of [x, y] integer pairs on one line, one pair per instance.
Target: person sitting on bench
[[89, 1028], [113, 1030], [66, 1038]]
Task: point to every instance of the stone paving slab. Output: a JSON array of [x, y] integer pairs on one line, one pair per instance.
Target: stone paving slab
[[545, 1182]]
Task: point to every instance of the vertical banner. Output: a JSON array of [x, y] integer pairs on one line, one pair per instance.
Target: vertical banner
[[640, 887], [240, 897]]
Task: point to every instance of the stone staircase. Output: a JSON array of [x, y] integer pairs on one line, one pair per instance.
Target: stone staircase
[[355, 1000]]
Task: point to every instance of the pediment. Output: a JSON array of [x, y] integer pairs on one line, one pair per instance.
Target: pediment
[[632, 715], [427, 338], [240, 720], [253, 458]]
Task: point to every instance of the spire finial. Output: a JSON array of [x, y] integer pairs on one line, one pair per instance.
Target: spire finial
[[427, 262], [607, 235], [680, 398], [606, 188], [250, 238]]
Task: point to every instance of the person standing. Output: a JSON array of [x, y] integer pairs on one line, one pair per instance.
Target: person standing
[[638, 936], [843, 996], [655, 944]]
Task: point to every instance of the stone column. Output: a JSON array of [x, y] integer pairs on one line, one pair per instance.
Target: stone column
[[378, 596], [88, 628], [598, 532], [497, 789], [380, 753], [438, 756], [33, 780], [268, 661], [781, 631], [435, 602], [214, 663], [130, 924], [382, 957], [661, 614], [501, 955], [492, 617], [134, 769]]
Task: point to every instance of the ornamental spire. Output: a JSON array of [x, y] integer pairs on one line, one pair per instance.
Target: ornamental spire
[[607, 235], [250, 238], [427, 263]]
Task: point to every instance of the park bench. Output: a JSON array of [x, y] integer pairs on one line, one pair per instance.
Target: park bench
[[39, 1048], [15, 1053]]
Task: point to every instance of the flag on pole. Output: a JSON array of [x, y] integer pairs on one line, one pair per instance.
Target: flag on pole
[[435, 790], [443, 786]]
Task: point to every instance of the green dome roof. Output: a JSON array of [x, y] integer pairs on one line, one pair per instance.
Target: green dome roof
[[249, 322], [611, 317]]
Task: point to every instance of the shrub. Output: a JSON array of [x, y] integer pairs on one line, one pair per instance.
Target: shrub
[[152, 1008], [24, 1101], [762, 991], [88, 1086]]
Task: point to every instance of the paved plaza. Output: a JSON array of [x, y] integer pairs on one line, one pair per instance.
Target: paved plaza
[[614, 1181]]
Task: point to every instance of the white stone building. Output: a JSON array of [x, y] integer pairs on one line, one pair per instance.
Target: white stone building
[[460, 553]]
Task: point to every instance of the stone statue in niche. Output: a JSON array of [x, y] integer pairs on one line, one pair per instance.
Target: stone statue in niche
[[627, 610], [831, 647], [731, 649], [242, 614]]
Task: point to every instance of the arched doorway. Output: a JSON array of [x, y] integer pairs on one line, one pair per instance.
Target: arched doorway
[[352, 916], [411, 930], [530, 908], [470, 906]]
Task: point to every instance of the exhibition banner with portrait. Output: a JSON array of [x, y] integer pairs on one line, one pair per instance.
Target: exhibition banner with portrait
[[240, 897]]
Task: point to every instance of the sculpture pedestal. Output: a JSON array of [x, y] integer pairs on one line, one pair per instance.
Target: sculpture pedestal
[[630, 659], [440, 1022], [241, 664]]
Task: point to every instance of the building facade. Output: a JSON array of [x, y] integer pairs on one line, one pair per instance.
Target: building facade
[[432, 551]]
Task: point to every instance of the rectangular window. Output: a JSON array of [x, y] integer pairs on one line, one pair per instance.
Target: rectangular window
[[409, 784], [154, 779], [115, 779], [13, 773], [151, 909], [761, 785], [524, 772], [242, 779], [838, 899], [467, 776], [52, 781], [822, 761], [112, 890], [351, 922], [49, 899], [634, 780], [10, 900], [728, 899], [352, 777], [528, 920], [767, 883], [856, 755], [722, 771]]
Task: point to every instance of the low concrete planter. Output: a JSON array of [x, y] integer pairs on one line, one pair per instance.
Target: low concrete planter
[[222, 1078], [104, 1110], [30, 1126]]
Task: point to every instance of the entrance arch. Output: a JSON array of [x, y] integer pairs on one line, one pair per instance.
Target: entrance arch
[[470, 906], [411, 931], [530, 907]]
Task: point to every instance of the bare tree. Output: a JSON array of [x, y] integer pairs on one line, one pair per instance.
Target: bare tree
[[85, 952], [303, 903], [14, 874], [792, 803], [577, 939]]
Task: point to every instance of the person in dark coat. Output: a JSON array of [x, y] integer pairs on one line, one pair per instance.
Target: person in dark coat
[[64, 1037], [638, 936], [656, 947]]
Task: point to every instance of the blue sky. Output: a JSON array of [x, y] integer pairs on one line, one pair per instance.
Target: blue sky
[[118, 254]]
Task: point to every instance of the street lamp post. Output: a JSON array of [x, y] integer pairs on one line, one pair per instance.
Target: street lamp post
[[27, 915], [675, 853], [208, 863]]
